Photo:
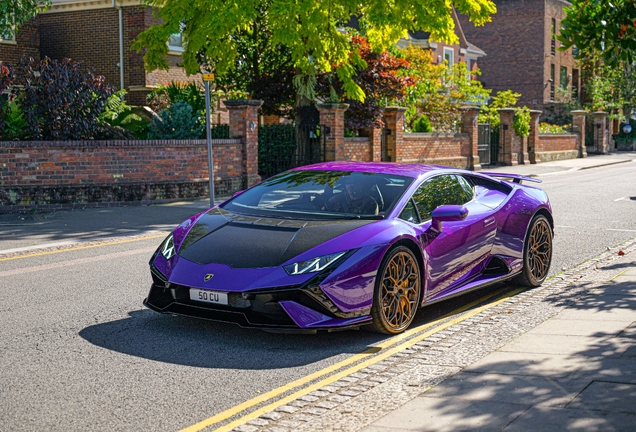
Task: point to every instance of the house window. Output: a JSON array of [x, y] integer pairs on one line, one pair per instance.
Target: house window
[[175, 42], [8, 36], [448, 55], [575, 84], [553, 33], [552, 82], [563, 78]]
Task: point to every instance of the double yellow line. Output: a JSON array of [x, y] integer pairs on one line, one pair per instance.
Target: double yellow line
[[377, 353]]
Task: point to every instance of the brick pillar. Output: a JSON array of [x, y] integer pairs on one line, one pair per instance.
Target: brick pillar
[[332, 116], [533, 138], [578, 126], [470, 126], [394, 117], [601, 141], [244, 125], [375, 143], [508, 154]]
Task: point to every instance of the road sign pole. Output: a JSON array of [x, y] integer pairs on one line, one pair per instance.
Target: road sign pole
[[208, 134]]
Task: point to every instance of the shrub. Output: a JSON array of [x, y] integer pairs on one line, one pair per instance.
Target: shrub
[[62, 100], [422, 124], [521, 122], [164, 96], [547, 128], [15, 126], [176, 122], [6, 80], [118, 114]]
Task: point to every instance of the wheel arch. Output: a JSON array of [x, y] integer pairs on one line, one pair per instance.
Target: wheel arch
[[414, 247]]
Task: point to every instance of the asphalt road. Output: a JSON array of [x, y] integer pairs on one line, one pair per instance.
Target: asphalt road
[[79, 352]]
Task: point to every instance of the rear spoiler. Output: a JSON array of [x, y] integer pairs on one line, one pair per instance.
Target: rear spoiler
[[516, 178]]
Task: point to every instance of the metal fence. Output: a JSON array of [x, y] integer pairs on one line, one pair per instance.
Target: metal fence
[[483, 143]]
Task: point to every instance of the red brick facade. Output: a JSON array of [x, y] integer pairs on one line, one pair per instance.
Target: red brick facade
[[27, 42], [92, 36], [357, 149], [520, 55]]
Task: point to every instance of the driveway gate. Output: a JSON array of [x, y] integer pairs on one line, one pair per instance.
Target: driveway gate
[[483, 143], [281, 147]]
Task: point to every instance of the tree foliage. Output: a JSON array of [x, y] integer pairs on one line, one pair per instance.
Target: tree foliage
[[380, 79], [440, 91], [490, 113], [521, 121], [176, 122], [14, 13], [309, 29], [601, 27]]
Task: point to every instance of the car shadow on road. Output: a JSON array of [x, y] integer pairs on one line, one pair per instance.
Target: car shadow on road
[[209, 344]]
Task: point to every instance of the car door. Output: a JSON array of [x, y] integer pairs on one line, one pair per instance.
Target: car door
[[452, 255]]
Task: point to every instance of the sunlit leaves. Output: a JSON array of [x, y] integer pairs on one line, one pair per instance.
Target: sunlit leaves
[[310, 29], [14, 13]]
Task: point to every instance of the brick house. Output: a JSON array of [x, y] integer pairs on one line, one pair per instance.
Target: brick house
[[464, 51], [100, 34], [523, 52]]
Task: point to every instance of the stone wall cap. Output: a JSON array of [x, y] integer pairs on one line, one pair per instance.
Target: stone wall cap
[[470, 107], [600, 113], [234, 103], [537, 111], [578, 112], [395, 109], [332, 106], [507, 109]]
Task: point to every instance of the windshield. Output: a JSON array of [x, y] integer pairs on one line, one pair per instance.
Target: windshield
[[322, 194]]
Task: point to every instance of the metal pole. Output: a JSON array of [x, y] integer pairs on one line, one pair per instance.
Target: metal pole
[[208, 134]]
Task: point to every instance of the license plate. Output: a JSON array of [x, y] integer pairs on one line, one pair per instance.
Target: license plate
[[208, 296]]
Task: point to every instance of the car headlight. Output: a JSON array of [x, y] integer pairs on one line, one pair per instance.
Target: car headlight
[[312, 265], [167, 248]]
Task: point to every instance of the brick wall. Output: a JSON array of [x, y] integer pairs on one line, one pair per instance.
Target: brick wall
[[75, 173], [27, 43], [357, 149], [558, 147], [435, 148]]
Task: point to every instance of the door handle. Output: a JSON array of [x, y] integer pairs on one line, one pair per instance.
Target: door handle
[[489, 221]]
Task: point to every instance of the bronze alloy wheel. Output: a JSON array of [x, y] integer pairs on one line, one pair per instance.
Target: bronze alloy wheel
[[397, 292], [537, 254]]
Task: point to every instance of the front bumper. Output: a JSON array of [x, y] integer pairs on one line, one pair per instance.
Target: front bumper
[[286, 308]]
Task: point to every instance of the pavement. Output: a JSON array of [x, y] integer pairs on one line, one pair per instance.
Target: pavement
[[575, 371], [560, 357]]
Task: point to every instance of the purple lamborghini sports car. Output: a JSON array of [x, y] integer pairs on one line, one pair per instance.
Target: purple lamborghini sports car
[[346, 244]]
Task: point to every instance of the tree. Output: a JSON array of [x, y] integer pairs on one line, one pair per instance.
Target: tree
[[441, 91], [381, 80], [14, 13], [503, 99], [601, 27], [310, 29]]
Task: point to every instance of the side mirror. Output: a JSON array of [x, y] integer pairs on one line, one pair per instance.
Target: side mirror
[[447, 213]]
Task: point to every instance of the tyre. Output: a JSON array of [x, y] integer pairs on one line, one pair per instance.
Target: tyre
[[537, 252], [397, 293]]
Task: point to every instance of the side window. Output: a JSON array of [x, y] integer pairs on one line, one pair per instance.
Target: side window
[[409, 213], [441, 190], [467, 193]]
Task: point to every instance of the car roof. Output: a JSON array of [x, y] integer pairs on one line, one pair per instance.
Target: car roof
[[396, 168]]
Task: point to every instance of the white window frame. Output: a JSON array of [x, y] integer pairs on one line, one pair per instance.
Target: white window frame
[[176, 49], [10, 41], [451, 53]]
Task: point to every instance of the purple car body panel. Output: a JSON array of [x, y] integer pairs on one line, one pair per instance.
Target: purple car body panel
[[452, 261]]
